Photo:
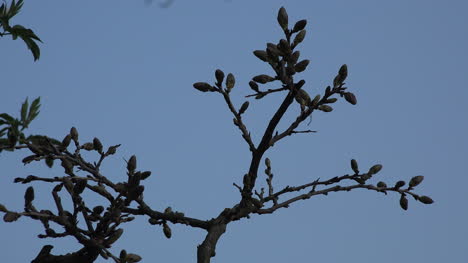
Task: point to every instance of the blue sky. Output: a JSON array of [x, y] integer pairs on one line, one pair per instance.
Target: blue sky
[[123, 71]]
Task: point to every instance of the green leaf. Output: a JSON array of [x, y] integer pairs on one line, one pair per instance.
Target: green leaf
[[3, 131], [19, 30], [33, 110], [2, 10], [7, 117], [36, 52], [15, 8], [24, 110], [49, 162]]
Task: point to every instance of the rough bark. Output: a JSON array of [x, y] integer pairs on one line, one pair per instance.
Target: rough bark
[[206, 250], [84, 255]]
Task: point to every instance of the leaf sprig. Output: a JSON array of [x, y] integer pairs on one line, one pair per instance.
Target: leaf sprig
[[26, 34]]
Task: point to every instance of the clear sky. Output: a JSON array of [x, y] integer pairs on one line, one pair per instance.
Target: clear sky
[[123, 71]]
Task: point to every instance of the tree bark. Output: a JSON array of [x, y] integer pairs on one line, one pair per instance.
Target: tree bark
[[206, 250], [84, 255]]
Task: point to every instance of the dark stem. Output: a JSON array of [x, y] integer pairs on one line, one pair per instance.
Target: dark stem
[[206, 250]]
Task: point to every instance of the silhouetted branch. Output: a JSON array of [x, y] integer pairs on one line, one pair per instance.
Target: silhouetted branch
[[124, 200]]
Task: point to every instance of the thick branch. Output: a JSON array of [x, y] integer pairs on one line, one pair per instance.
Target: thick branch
[[206, 250], [84, 255], [265, 143]]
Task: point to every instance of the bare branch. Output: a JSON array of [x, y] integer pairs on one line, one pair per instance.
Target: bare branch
[[238, 120], [262, 94]]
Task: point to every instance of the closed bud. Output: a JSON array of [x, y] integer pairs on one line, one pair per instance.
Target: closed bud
[[283, 18], [97, 145], [273, 51], [284, 46], [112, 149], [381, 185], [219, 74], [354, 166], [301, 66], [49, 162], [202, 86], [404, 202], [79, 187], [261, 54], [66, 141], [123, 256], [29, 159], [11, 217], [267, 162], [89, 146], [375, 169], [29, 196], [74, 134], [416, 181], [230, 81], [3, 208], [343, 72], [294, 57], [299, 37], [399, 184], [167, 231], [145, 175], [168, 210], [132, 258], [263, 79], [425, 200], [68, 166], [331, 100], [132, 164], [35, 149], [315, 101], [349, 97], [98, 209], [244, 107], [302, 97], [325, 108], [299, 84], [301, 24], [153, 221], [253, 86]]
